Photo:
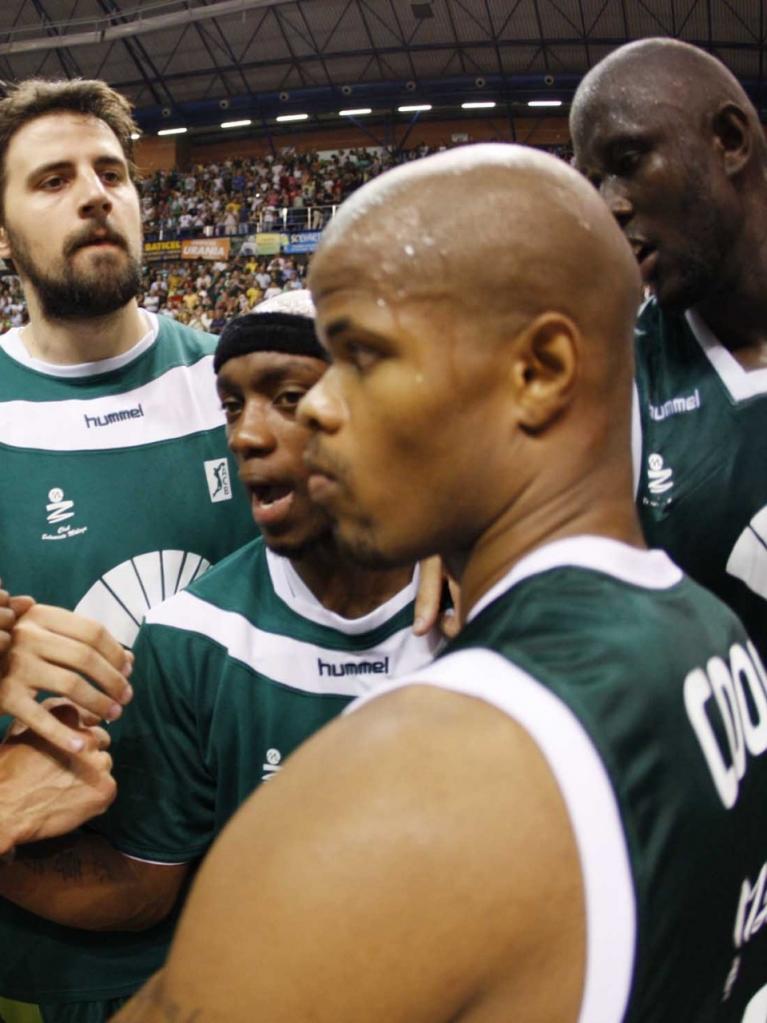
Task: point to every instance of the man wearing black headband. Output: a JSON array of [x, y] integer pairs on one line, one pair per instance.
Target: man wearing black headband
[[235, 672]]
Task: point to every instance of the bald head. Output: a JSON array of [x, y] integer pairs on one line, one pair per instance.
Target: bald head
[[670, 139], [479, 307], [644, 74], [501, 233]]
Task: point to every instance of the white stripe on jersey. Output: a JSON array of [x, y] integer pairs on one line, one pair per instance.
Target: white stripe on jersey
[[591, 805], [293, 662], [180, 402]]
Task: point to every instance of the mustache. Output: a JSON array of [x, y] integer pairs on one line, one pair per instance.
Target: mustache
[[93, 235], [323, 462]]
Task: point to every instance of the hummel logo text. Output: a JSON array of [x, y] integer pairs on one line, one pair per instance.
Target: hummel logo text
[[354, 667], [114, 417]]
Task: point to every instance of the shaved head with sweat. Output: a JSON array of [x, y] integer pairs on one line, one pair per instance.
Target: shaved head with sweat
[[488, 374], [675, 147]]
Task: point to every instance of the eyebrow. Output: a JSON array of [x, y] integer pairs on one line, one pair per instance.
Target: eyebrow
[[337, 327], [60, 165]]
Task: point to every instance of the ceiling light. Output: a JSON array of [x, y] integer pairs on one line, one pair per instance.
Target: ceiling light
[[172, 131], [544, 102], [135, 135], [355, 113], [236, 124], [412, 109], [484, 105], [293, 117]]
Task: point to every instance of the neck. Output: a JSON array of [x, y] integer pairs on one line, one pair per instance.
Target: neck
[[345, 588], [582, 508], [67, 343]]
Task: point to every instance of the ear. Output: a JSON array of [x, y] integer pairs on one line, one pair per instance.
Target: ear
[[544, 367], [5, 248], [733, 137]]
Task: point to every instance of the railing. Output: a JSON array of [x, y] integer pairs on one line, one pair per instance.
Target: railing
[[282, 220]]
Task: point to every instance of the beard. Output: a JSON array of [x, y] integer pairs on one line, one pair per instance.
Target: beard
[[76, 294]]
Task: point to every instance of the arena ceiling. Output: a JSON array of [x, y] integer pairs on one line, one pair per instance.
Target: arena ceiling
[[198, 62]]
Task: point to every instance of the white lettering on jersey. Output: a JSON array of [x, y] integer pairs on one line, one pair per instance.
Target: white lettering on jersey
[[659, 478], [748, 559], [272, 764], [719, 692], [59, 509], [675, 406]]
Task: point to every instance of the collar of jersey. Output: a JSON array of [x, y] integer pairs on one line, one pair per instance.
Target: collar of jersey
[[294, 592], [651, 570], [741, 384], [15, 348]]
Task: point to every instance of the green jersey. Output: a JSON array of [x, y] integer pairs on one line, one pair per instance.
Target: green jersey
[[117, 483], [649, 704], [117, 492], [702, 486], [230, 676]]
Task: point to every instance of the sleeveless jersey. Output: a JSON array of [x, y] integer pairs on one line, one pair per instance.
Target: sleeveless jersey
[[117, 491], [230, 676], [117, 485], [649, 704], [703, 488]]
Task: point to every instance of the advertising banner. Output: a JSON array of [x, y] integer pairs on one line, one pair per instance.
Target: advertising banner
[[162, 250], [302, 241], [205, 248]]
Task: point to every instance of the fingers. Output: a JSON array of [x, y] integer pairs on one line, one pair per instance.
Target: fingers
[[21, 605], [449, 624], [76, 627], [53, 649], [429, 595], [44, 723], [101, 736], [7, 621]]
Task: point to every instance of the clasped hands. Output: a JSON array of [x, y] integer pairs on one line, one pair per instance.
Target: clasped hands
[[55, 771]]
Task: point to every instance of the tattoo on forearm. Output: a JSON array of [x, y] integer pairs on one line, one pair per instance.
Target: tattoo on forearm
[[71, 860]]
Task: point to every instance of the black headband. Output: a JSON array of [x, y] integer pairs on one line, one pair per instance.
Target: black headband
[[268, 332]]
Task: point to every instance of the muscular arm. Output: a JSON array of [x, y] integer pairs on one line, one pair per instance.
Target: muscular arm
[[82, 881], [411, 864]]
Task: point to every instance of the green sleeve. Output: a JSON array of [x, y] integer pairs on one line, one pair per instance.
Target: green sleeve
[[165, 805]]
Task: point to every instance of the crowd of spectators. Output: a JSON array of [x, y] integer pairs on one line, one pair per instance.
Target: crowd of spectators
[[207, 295], [287, 191]]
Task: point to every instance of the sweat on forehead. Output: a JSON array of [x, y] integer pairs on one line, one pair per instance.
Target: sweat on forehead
[[653, 70], [502, 226]]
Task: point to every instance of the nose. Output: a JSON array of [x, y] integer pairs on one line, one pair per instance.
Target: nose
[[321, 408], [251, 434], [95, 199], [617, 199]]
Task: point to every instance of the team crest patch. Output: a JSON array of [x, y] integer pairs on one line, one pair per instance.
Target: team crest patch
[[219, 480]]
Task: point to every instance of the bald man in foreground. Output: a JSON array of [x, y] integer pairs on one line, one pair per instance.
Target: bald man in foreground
[[561, 819]]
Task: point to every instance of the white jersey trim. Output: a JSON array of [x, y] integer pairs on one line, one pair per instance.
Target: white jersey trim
[[652, 570], [293, 662], [591, 806], [741, 384], [636, 438], [179, 402], [13, 346], [294, 592]]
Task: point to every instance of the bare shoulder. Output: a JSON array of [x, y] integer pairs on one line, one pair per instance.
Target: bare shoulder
[[410, 862]]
